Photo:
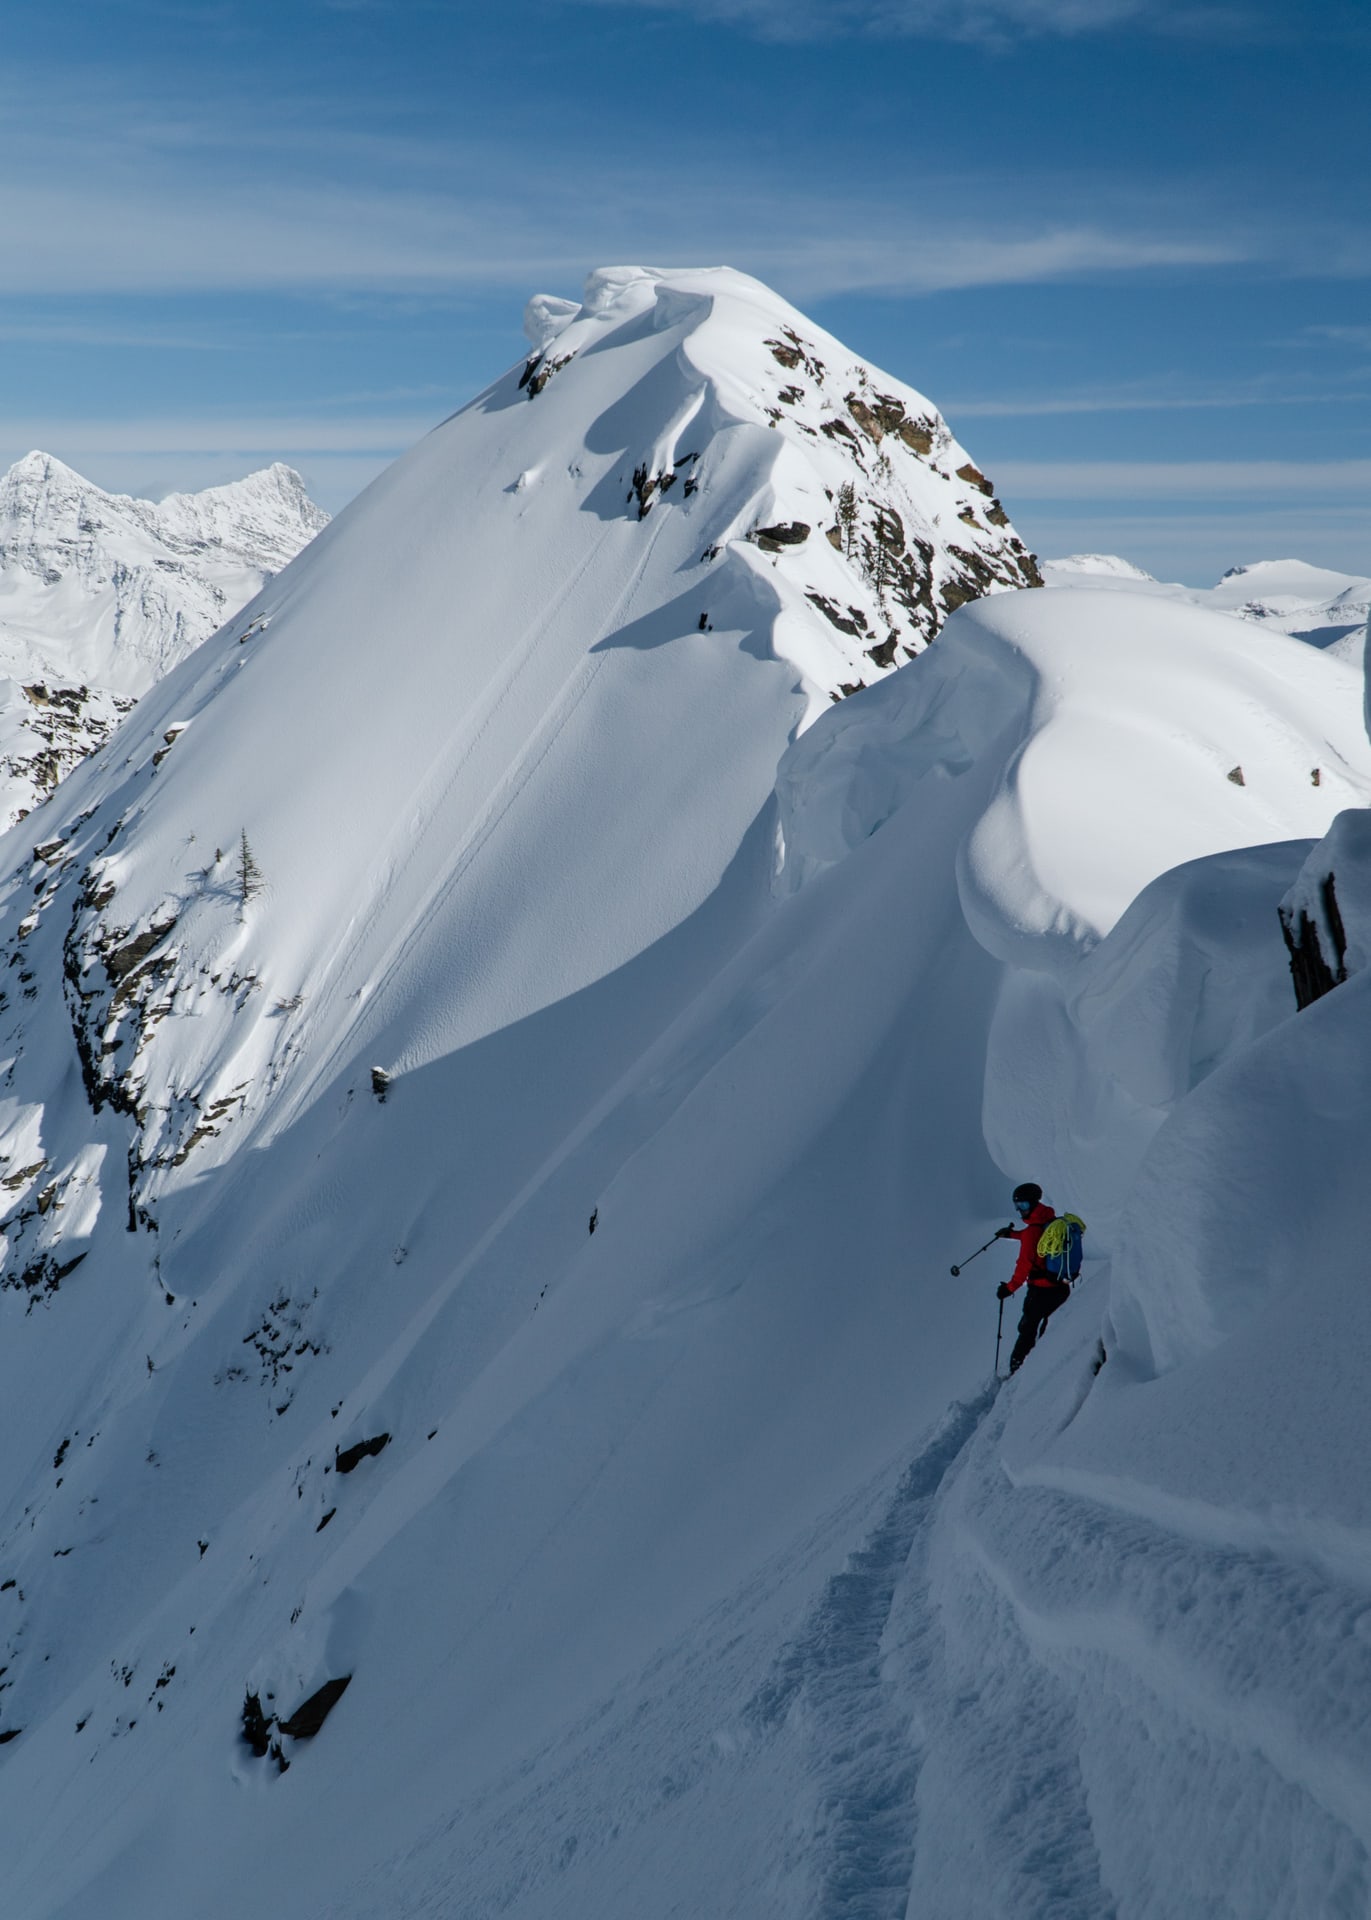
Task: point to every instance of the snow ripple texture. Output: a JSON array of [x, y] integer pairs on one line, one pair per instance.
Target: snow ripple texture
[[833, 1677]]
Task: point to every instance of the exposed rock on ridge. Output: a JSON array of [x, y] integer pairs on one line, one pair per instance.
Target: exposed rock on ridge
[[916, 527]]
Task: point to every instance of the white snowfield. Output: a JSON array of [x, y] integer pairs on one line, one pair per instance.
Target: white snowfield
[[1315, 604], [101, 594], [514, 1213]]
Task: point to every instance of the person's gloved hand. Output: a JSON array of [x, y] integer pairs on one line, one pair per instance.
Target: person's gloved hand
[[1004, 1233], [1002, 1291]]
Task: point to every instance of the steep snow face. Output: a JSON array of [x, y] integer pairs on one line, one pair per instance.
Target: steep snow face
[[100, 595], [1136, 1603], [1151, 1564], [484, 1152], [487, 666]]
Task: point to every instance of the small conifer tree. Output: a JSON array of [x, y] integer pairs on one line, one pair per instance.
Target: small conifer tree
[[847, 515], [249, 876]]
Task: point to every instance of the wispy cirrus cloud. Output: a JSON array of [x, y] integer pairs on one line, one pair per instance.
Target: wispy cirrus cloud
[[240, 435], [1359, 337], [117, 197], [979, 21], [1260, 393], [103, 233], [1213, 480]]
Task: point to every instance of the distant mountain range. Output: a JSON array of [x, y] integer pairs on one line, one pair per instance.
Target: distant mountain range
[[101, 594], [1328, 610]]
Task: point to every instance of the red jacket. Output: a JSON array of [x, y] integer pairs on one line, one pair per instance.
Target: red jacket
[[1027, 1266]]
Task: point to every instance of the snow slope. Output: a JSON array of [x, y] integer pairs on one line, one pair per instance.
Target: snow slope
[[101, 594], [500, 1259]]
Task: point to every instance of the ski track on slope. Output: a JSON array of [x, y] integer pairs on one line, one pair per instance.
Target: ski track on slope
[[535, 1842], [832, 1676], [1073, 1641], [1003, 1804]]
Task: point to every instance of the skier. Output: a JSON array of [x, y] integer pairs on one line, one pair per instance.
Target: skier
[[1044, 1294]]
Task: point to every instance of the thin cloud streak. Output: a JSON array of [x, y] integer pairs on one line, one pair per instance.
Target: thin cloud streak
[[125, 204], [1343, 336], [1052, 405], [247, 436], [76, 334], [86, 240], [978, 22], [1179, 479]]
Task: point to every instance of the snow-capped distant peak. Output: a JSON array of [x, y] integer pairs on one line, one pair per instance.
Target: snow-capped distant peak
[[112, 590], [1096, 564], [1318, 605], [101, 593], [1284, 583]]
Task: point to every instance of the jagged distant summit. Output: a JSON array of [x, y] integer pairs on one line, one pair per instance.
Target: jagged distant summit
[[119, 588], [102, 593]]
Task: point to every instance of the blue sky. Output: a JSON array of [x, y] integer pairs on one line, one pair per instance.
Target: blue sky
[[1124, 244]]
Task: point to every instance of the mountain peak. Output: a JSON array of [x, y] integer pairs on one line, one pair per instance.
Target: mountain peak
[[100, 593], [876, 522]]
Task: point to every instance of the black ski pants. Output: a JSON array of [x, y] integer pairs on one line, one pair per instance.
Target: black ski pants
[[1040, 1303]]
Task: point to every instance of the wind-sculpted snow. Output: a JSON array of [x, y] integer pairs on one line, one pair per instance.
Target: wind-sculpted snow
[[484, 1153], [1134, 736]]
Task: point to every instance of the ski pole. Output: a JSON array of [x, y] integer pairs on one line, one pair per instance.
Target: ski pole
[[976, 1255], [999, 1329]]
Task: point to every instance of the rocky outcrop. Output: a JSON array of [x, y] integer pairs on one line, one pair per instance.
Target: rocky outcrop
[[1326, 916]]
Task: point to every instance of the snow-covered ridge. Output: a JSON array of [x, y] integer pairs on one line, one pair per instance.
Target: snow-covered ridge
[[101, 594], [483, 1152], [700, 480]]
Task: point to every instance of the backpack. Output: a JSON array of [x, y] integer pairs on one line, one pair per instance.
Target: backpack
[[1059, 1247]]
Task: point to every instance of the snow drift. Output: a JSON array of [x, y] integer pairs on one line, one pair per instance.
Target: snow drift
[[484, 1151]]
